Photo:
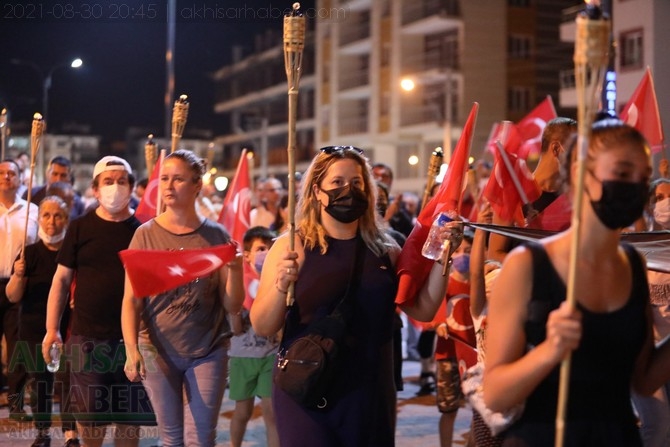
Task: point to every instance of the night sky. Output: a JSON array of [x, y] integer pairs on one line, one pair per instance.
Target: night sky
[[122, 82]]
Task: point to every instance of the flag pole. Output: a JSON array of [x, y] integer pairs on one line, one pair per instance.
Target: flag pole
[[294, 43], [36, 134], [530, 212], [159, 197], [591, 59]]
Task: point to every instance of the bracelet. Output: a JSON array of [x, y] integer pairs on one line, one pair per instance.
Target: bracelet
[[280, 290]]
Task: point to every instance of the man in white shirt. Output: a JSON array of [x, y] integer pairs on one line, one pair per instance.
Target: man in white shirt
[[13, 214]]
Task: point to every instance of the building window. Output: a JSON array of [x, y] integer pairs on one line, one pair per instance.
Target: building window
[[519, 46], [518, 99], [632, 48], [519, 3]]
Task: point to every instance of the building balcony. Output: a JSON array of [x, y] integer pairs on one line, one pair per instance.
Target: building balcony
[[429, 62], [568, 28], [351, 125], [430, 16], [354, 32], [353, 78]]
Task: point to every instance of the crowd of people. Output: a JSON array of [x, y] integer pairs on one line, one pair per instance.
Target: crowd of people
[[166, 359]]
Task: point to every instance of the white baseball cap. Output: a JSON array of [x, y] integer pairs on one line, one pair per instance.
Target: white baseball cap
[[111, 163]]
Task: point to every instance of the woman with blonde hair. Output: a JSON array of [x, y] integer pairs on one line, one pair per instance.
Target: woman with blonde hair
[[338, 228], [177, 341]]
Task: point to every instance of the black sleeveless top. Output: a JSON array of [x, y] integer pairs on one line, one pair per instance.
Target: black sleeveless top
[[364, 415], [599, 411]]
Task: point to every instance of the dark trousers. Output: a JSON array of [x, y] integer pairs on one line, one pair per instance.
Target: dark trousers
[[45, 385], [9, 326]]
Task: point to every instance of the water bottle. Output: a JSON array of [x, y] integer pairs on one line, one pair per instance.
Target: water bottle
[[54, 353], [434, 245]]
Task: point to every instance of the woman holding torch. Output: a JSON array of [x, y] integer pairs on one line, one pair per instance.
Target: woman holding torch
[[609, 331]]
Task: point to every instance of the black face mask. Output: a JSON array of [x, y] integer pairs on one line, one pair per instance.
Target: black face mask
[[346, 203], [621, 204]]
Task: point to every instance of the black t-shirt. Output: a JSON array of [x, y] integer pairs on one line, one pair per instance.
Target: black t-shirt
[[40, 269], [91, 248]]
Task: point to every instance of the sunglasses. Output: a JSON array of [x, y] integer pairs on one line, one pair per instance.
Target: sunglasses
[[340, 149]]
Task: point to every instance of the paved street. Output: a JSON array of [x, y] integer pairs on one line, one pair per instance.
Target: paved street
[[417, 422]]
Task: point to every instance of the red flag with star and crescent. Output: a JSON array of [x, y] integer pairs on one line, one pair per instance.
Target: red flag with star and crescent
[[531, 127], [236, 211], [155, 271], [146, 210], [642, 113], [501, 190], [236, 217], [412, 267]]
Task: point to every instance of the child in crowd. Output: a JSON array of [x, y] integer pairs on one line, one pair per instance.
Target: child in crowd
[[252, 356]]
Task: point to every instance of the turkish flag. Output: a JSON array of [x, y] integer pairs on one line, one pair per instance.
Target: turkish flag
[[461, 331], [412, 266], [641, 112], [502, 191], [531, 127], [146, 210], [235, 214], [155, 271]]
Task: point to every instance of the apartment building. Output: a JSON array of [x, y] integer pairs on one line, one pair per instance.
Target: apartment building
[[504, 54]]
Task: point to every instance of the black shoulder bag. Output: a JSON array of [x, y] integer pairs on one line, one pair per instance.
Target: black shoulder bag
[[305, 370]]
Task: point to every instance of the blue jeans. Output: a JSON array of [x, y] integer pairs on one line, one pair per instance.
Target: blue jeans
[[654, 412], [186, 394]]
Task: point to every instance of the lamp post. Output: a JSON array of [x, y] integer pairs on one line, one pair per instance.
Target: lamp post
[[408, 84], [46, 76]]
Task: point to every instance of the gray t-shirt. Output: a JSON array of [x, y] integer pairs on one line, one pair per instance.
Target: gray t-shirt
[[189, 320]]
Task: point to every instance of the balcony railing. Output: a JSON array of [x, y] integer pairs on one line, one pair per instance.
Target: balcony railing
[[414, 10], [433, 60], [353, 32], [353, 78], [412, 115], [353, 124]]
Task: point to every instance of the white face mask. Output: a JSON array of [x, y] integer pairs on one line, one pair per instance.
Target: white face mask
[[662, 213], [114, 198], [56, 238]]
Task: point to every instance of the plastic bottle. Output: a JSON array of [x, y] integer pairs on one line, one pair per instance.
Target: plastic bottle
[[54, 353], [434, 246]]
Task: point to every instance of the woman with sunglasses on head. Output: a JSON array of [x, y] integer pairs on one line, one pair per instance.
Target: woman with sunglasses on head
[[608, 333], [337, 210]]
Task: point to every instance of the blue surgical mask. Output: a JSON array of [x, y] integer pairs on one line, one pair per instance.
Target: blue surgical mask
[[461, 263], [259, 260]]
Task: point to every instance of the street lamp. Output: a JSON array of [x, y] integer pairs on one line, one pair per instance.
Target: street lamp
[[46, 85], [408, 84], [46, 79]]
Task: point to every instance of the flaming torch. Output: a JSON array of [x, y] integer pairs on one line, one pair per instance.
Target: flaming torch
[[3, 133], [591, 59], [150, 154], [179, 115], [35, 142], [294, 43], [433, 170]]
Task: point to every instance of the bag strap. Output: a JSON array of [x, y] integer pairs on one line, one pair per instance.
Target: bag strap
[[356, 273]]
